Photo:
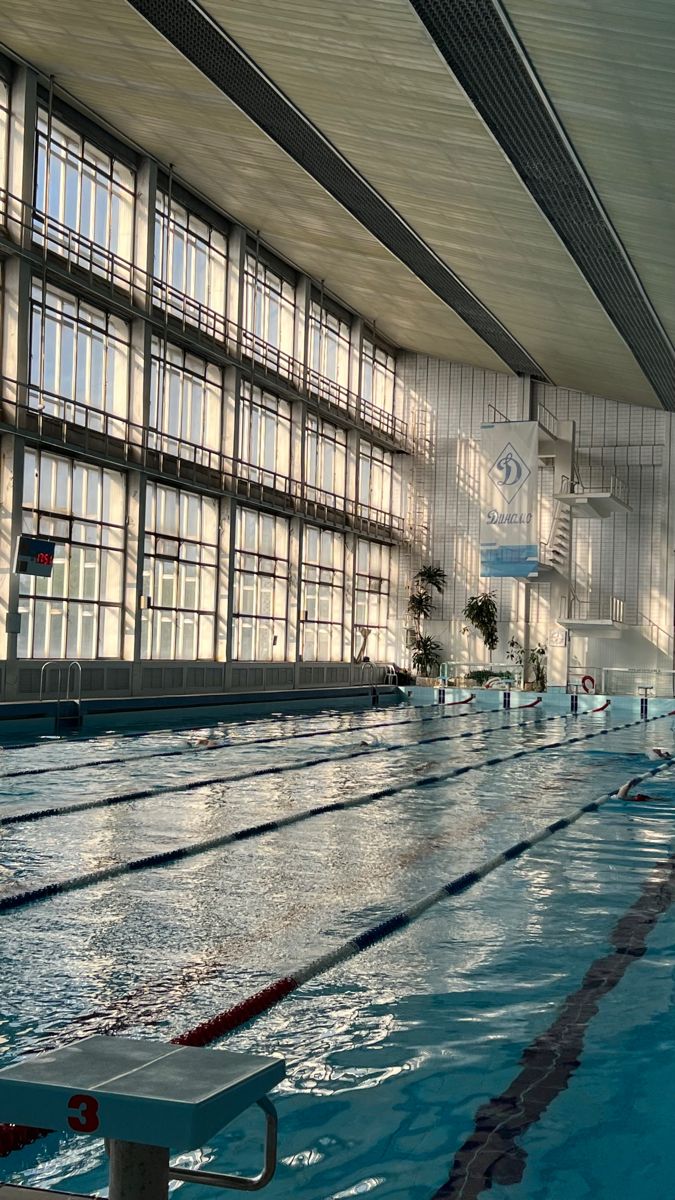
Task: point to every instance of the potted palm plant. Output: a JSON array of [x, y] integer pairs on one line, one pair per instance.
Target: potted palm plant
[[426, 658], [481, 612], [426, 651]]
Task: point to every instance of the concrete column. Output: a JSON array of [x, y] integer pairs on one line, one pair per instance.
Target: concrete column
[[236, 246], [348, 604], [133, 590], [144, 233], [15, 369], [225, 582], [301, 352], [21, 158], [294, 647], [355, 345], [298, 473], [139, 411], [229, 611], [352, 471], [138, 1172]]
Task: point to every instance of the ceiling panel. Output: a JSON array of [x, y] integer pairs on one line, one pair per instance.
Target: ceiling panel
[[608, 67], [369, 76], [112, 60]]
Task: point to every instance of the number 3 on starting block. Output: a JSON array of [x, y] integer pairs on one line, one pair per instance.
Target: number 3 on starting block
[[84, 1111]]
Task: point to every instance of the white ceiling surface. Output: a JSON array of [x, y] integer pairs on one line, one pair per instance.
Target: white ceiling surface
[[370, 78], [108, 56], [608, 66]]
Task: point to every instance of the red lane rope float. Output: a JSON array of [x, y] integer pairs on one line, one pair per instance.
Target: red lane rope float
[[590, 680], [532, 704], [467, 700], [602, 707], [16, 1137]]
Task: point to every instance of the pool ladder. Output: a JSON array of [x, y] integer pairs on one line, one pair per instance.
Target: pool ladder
[[68, 714]]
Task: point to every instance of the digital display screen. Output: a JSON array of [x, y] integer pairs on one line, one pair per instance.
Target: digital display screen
[[34, 556]]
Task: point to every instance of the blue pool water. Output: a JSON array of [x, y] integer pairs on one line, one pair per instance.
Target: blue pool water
[[392, 1054]]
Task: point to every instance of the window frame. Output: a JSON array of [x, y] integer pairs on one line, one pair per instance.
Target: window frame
[[327, 583], [158, 548], [246, 568], [70, 530]]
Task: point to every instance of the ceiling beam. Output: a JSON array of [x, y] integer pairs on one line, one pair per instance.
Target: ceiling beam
[[210, 49], [484, 54]]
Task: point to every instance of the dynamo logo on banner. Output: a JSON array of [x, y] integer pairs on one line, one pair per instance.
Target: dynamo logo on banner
[[509, 516], [509, 472]]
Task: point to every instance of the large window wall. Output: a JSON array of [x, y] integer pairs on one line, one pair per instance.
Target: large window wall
[[180, 574], [186, 403], [261, 574], [84, 201], [329, 341], [159, 410], [264, 437], [325, 460], [269, 313], [378, 376], [322, 598], [190, 257], [372, 593], [77, 613], [79, 360]]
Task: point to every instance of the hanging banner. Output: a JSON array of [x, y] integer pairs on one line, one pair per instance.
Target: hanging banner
[[509, 528]]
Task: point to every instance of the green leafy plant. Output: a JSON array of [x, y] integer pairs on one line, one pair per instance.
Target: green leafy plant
[[426, 655], [515, 652], [481, 612], [537, 659], [419, 606], [433, 578]]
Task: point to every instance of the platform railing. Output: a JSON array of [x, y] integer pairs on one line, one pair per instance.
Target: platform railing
[[108, 274]]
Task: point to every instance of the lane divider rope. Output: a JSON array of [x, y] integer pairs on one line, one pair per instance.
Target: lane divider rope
[[261, 1002], [58, 810], [227, 745], [60, 887], [16, 1137]]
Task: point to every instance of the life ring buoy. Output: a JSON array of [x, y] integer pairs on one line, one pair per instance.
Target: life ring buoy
[[588, 679], [494, 681]]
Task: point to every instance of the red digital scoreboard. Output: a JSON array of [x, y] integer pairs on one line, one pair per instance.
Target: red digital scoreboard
[[34, 556]]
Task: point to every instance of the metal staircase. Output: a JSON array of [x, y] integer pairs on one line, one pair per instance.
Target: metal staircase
[[554, 552]]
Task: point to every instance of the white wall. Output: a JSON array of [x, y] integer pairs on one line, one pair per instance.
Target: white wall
[[629, 557]]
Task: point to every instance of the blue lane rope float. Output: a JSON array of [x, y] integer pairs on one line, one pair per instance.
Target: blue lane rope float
[[265, 741], [58, 810], [59, 887], [16, 1137], [261, 1002]]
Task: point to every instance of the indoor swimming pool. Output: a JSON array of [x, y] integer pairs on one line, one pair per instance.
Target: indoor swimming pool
[[512, 1040]]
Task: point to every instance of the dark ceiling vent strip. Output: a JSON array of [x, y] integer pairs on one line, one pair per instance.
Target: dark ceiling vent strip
[[218, 57], [483, 53]]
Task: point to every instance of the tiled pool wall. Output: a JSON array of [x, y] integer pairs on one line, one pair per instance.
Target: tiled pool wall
[[33, 720]]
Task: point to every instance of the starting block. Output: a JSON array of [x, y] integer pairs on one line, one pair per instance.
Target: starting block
[[147, 1099]]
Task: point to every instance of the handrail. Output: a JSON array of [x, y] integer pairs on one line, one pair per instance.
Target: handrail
[[123, 442], [73, 672], [547, 420], [240, 1183], [609, 482]]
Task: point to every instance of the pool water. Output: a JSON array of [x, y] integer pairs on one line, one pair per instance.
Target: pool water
[[405, 1063]]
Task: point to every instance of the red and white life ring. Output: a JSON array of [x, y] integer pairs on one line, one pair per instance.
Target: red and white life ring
[[588, 684]]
